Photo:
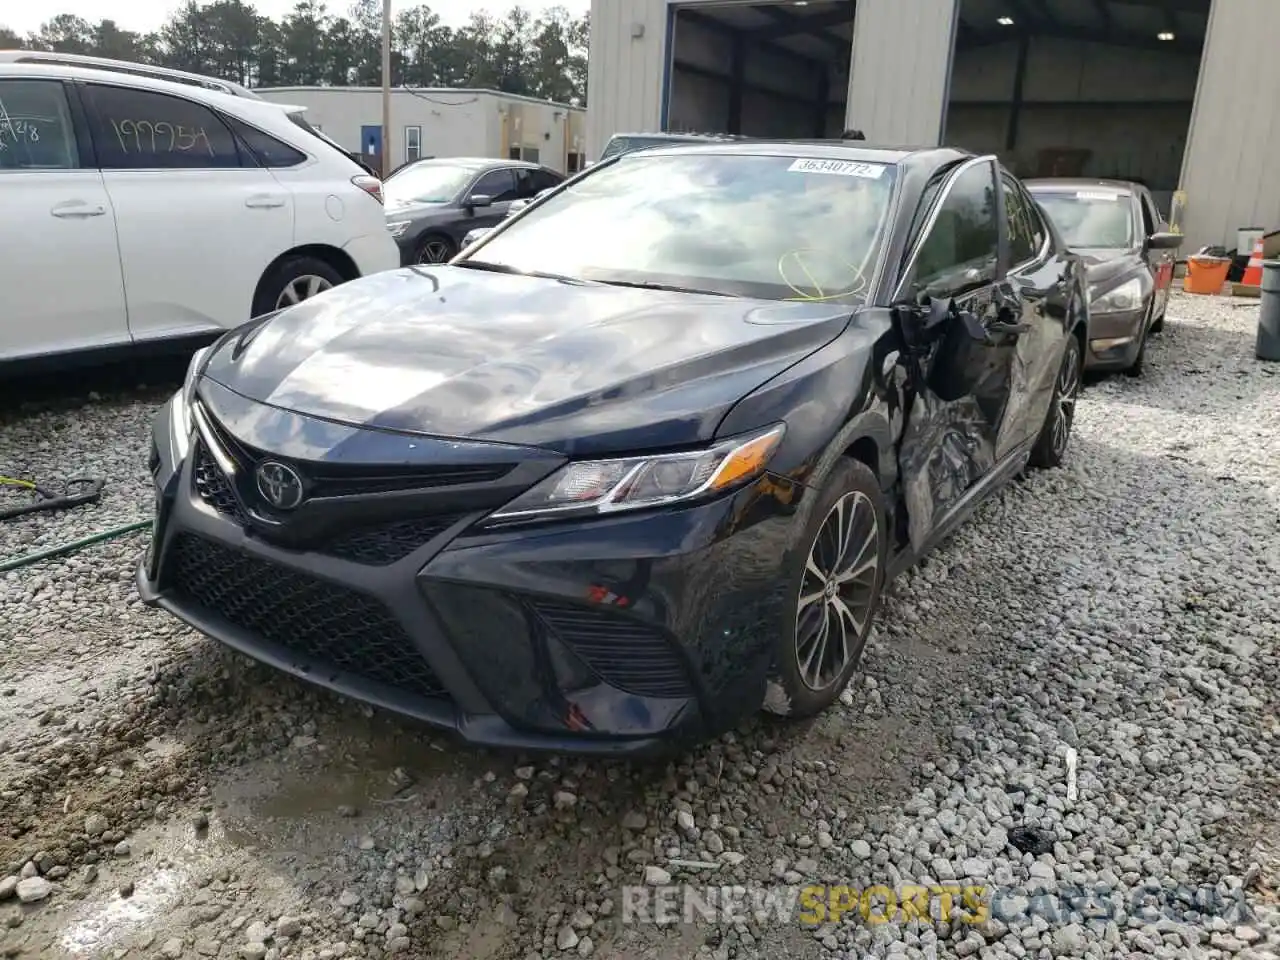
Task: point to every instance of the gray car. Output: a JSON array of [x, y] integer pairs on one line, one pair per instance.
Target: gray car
[[433, 204], [1128, 250]]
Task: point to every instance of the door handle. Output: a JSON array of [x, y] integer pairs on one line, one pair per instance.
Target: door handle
[[264, 201], [75, 209]]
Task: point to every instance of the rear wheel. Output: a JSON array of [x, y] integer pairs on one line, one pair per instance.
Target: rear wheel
[[834, 594], [1055, 434], [292, 281]]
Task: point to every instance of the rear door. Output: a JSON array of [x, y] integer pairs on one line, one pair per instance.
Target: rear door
[[198, 219], [59, 265], [958, 427]]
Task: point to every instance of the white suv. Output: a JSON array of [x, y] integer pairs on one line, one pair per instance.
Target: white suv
[[139, 210]]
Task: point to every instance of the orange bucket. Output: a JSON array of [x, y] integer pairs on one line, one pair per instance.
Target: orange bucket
[[1206, 274]]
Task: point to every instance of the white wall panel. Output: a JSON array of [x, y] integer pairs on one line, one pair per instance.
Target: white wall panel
[[625, 72], [901, 68]]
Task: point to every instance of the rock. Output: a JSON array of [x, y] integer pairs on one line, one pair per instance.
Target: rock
[[566, 939], [254, 951], [95, 824], [8, 887], [564, 800], [635, 821], [171, 949], [33, 889], [288, 927], [123, 849], [257, 932], [655, 876]]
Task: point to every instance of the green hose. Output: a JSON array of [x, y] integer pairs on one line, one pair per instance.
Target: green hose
[[15, 562]]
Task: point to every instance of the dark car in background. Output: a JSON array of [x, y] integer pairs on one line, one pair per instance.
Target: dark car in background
[[433, 204], [639, 462], [1126, 244]]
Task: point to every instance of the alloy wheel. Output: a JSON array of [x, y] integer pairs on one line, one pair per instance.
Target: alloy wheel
[[301, 288], [837, 590], [434, 251], [1065, 407]]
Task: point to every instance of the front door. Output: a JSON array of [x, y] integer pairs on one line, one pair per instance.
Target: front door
[[1161, 262], [198, 221], [59, 264], [963, 374]]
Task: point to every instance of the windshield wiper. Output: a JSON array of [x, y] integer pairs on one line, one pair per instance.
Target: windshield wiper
[[669, 287], [508, 269]]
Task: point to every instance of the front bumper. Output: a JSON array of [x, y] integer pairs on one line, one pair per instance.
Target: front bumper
[[1115, 339], [621, 635]]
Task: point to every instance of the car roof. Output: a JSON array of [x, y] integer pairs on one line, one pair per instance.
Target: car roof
[[79, 60], [1072, 184], [230, 102], [855, 150]]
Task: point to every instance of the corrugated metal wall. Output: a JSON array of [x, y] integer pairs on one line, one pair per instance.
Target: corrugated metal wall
[[901, 69], [1231, 171], [625, 72]]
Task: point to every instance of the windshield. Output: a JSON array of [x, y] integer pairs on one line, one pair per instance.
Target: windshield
[[777, 228], [427, 183], [1098, 219]]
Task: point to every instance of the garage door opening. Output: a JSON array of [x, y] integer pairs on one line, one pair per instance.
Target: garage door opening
[[760, 69], [1093, 88]]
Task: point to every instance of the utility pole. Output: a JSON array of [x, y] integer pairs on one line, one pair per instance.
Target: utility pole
[[386, 88]]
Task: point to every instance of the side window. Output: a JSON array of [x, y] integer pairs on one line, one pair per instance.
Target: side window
[[524, 183], [545, 180], [142, 130], [36, 132], [962, 249], [264, 148], [499, 185], [1017, 213]]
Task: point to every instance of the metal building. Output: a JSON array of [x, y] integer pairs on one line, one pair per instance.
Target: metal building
[[444, 122], [1175, 93]]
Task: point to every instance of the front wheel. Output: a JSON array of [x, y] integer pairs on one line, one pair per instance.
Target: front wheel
[[1055, 434], [435, 249], [834, 594]]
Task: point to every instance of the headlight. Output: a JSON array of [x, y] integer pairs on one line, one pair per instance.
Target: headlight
[[397, 228], [608, 486], [1124, 298], [182, 401]]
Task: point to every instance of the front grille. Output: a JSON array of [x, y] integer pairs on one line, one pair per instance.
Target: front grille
[[379, 546], [213, 486], [317, 619], [624, 653]]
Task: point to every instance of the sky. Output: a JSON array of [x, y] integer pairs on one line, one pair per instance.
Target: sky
[[24, 16]]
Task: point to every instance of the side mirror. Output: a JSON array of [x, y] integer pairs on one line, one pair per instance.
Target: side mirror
[[1164, 241], [479, 200], [475, 236]]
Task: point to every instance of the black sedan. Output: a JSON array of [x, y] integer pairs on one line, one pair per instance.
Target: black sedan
[[638, 463], [433, 204], [1128, 249]]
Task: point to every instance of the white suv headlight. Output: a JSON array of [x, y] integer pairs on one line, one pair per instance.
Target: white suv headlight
[[1125, 298], [181, 419], [609, 486]]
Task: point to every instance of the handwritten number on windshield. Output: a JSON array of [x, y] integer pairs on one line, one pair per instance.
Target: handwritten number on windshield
[[160, 136]]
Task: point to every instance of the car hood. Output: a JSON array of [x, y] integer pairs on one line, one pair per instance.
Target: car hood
[[1106, 265], [580, 368]]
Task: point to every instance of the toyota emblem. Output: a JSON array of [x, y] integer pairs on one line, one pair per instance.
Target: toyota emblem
[[279, 485]]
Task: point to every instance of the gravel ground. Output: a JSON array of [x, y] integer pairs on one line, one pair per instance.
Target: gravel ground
[[1078, 692]]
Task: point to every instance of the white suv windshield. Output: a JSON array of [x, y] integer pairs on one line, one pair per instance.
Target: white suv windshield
[[781, 228]]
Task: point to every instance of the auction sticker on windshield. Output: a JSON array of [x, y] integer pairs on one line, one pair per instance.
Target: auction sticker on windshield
[[1098, 195], [839, 168]]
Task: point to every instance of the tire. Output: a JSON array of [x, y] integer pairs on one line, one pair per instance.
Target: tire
[[1055, 434], [292, 281], [1157, 325], [1135, 369], [809, 671], [435, 248]]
